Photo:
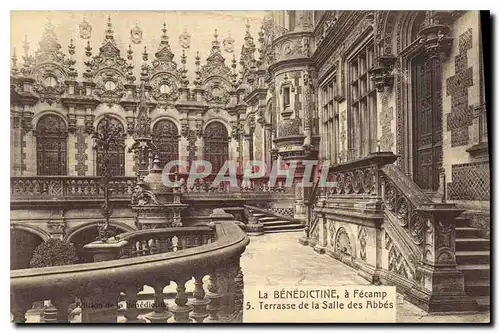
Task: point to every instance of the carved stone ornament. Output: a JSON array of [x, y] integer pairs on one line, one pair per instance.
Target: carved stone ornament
[[85, 29], [136, 34], [185, 40], [228, 44], [49, 82], [164, 88], [143, 197], [217, 92], [72, 123]]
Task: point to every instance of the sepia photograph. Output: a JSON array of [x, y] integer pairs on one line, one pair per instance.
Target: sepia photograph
[[258, 166]]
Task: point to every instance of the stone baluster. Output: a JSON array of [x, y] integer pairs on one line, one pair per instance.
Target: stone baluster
[[227, 277], [160, 313], [238, 293], [200, 302], [213, 295], [181, 309], [100, 304], [50, 314], [19, 304], [132, 313], [62, 304]]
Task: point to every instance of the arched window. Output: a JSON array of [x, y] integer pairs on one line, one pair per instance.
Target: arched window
[[216, 145], [51, 146], [166, 139], [116, 151]]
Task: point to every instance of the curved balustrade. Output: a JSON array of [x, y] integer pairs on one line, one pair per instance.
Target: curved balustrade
[[139, 243], [98, 285]]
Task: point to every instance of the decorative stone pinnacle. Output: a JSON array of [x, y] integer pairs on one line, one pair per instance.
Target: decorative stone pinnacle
[[71, 47], [26, 45], [88, 50], [129, 52], [145, 54], [14, 61], [109, 29]]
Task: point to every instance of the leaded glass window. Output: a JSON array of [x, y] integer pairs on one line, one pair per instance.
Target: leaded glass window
[[51, 141]]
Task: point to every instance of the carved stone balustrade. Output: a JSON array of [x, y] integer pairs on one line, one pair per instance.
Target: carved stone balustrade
[[68, 188], [99, 286], [151, 241]]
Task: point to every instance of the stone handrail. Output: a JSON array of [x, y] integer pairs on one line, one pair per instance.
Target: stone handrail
[[98, 285], [151, 241], [68, 187], [253, 185]]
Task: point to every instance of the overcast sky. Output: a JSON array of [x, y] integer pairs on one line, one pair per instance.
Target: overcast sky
[[199, 24]]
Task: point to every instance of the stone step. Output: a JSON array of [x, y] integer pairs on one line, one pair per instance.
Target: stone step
[[279, 231], [475, 272], [477, 287], [472, 257], [472, 244], [467, 232], [294, 226], [267, 219], [258, 215], [462, 222], [483, 302], [278, 222]]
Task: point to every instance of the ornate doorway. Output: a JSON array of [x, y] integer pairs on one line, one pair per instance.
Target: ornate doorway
[[427, 129]]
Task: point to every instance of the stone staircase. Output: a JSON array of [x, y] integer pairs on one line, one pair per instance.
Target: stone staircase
[[473, 259], [274, 223]]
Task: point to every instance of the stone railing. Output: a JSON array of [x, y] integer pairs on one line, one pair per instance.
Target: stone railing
[[100, 285], [254, 185], [68, 187], [151, 241]]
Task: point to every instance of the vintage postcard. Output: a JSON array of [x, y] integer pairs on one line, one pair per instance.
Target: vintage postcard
[[288, 166]]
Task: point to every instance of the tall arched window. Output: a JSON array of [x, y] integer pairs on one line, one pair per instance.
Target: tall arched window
[[166, 140], [116, 151], [51, 145], [216, 145]]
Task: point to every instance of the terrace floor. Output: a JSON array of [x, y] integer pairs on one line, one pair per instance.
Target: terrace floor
[[279, 259]]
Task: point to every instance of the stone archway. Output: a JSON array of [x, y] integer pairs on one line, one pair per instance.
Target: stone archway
[[22, 244]]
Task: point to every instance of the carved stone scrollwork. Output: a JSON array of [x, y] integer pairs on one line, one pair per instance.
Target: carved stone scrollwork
[[434, 35], [340, 183], [362, 233], [390, 197], [368, 180], [184, 127], [72, 123], [130, 125], [402, 210], [356, 181], [348, 182], [143, 197], [343, 242], [199, 128], [417, 228], [382, 75], [331, 231], [89, 123]]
